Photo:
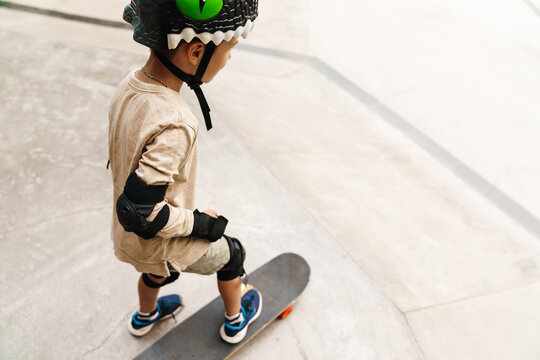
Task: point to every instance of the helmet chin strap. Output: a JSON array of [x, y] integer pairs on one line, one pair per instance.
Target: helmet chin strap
[[194, 81]]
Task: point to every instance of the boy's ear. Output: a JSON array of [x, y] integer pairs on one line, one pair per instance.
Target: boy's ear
[[195, 51]]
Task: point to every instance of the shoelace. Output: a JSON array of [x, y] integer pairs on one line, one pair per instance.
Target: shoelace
[[172, 314]]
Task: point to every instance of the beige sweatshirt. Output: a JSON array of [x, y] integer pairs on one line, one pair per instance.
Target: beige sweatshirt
[[153, 132]]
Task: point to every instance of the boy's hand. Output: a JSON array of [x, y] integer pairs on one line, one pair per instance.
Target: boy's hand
[[212, 213]]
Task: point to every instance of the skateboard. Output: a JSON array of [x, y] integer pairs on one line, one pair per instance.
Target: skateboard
[[281, 281]]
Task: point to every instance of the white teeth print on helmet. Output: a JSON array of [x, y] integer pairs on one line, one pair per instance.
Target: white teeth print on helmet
[[217, 37]]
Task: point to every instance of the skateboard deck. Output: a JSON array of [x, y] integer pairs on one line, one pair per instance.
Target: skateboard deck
[[281, 281]]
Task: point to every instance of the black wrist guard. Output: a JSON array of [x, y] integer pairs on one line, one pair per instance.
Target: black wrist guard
[[208, 227]]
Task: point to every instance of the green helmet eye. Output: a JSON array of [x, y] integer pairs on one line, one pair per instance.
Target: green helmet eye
[[200, 9]]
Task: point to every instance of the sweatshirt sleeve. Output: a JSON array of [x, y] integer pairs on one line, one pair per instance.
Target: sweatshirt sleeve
[[162, 157]]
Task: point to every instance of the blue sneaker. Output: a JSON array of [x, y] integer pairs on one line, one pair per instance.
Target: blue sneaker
[[251, 308], [167, 306]]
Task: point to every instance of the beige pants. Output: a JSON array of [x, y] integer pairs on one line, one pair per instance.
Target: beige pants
[[213, 260]]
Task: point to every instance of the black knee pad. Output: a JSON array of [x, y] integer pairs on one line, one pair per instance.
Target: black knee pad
[[154, 285], [235, 266]]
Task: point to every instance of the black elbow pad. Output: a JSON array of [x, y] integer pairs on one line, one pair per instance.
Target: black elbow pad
[[136, 203], [208, 227]]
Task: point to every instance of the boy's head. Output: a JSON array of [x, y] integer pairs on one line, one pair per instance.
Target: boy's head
[[195, 34]]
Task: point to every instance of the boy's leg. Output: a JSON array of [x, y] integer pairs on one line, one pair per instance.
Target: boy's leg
[[226, 257], [231, 293], [214, 260], [229, 277], [218, 256], [147, 295], [152, 308]]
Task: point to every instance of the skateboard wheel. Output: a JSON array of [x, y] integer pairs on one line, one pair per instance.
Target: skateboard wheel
[[286, 312]]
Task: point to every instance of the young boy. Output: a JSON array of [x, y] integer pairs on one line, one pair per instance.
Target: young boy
[[153, 157]]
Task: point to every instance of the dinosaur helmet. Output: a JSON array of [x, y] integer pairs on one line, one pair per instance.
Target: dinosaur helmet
[[162, 24]]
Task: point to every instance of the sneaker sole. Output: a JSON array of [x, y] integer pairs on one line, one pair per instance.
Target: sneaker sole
[[242, 334], [144, 330]]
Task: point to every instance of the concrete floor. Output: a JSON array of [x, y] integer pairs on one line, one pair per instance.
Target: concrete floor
[[393, 144]]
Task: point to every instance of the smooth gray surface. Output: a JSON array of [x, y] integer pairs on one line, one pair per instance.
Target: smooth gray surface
[[395, 209], [408, 260]]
